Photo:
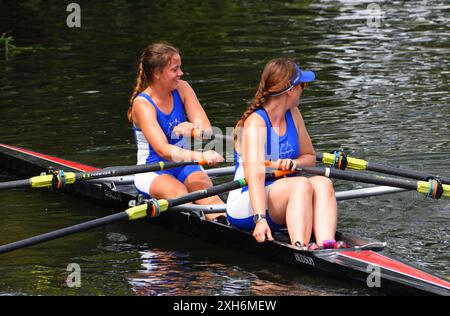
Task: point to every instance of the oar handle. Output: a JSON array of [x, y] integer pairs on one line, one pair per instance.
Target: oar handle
[[278, 173], [196, 133]]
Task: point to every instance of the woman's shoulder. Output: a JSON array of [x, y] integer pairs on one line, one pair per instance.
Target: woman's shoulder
[[184, 87], [141, 107], [254, 119], [295, 112], [185, 91], [296, 116]]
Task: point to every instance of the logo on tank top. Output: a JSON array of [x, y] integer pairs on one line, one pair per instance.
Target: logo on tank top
[[286, 150], [170, 126]]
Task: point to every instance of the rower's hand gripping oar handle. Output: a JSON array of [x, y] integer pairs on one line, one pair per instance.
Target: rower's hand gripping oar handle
[[279, 173]]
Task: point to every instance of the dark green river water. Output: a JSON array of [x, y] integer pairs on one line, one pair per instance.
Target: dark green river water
[[382, 92]]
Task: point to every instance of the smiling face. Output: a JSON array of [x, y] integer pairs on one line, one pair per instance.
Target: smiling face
[[171, 74]]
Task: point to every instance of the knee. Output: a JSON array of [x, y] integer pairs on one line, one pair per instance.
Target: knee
[[325, 182], [325, 186], [303, 186], [177, 190], [198, 182]]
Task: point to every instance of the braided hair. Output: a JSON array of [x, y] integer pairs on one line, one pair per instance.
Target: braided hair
[[275, 77]]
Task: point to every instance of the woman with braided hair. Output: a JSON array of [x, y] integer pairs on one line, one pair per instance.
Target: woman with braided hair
[[163, 110], [272, 128]]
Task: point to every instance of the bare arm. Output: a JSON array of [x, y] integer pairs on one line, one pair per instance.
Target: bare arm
[[307, 154], [253, 143], [194, 111], [145, 118]]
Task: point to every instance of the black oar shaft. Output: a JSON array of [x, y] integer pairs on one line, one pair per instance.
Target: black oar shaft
[[64, 232], [121, 171], [359, 164], [60, 179], [359, 177], [217, 189], [418, 175], [16, 184], [130, 214]]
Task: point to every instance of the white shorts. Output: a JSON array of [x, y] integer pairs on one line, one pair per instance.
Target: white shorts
[[240, 211], [239, 205]]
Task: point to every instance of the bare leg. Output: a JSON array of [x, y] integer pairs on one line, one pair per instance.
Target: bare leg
[[324, 209], [166, 186], [199, 181], [290, 203]]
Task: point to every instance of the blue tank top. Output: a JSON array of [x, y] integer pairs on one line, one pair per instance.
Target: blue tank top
[[283, 146], [167, 122], [277, 147]]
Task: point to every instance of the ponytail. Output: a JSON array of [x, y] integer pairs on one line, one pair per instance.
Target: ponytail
[[141, 83], [257, 102]]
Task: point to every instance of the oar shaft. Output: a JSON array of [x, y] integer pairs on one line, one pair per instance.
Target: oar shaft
[[418, 175], [359, 164], [217, 189], [358, 177], [63, 178], [423, 187], [16, 184], [121, 171], [64, 232], [132, 213], [430, 188]]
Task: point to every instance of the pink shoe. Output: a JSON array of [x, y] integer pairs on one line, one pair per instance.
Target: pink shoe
[[313, 246], [340, 244], [329, 244]]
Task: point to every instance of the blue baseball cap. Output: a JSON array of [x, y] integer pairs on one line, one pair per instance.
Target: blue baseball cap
[[297, 78]]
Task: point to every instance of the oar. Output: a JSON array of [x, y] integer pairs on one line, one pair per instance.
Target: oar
[[341, 161], [431, 188], [61, 178], [151, 208]]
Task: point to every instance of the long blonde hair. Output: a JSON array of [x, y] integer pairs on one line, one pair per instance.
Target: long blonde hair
[[275, 77], [155, 57]]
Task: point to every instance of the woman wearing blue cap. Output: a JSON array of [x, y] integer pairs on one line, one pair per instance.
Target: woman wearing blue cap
[[272, 128]]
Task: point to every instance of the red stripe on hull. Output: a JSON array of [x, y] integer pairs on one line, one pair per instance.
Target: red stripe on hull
[[377, 259], [67, 163]]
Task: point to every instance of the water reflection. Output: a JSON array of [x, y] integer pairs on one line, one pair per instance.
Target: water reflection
[[175, 273]]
